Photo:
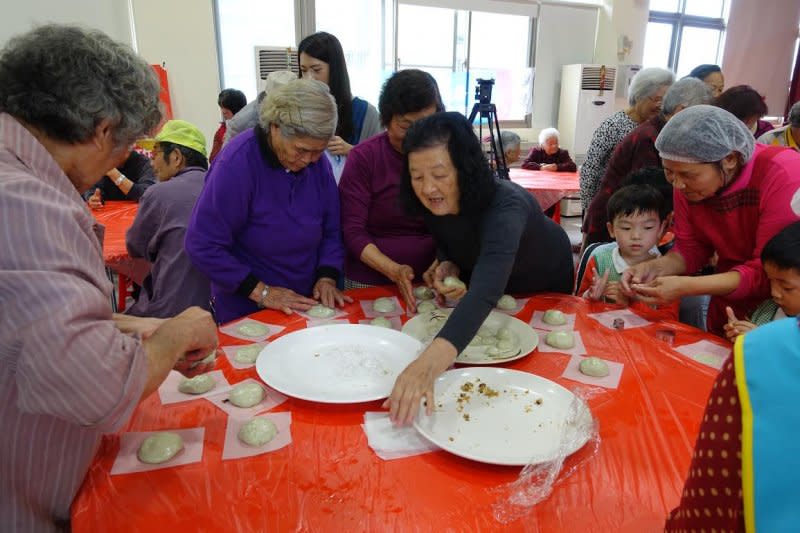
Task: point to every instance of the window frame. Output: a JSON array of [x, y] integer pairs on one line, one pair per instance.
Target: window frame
[[679, 20]]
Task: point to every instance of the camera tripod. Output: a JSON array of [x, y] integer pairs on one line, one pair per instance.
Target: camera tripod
[[486, 110]]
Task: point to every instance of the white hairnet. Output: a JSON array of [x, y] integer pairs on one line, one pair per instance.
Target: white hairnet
[[704, 134]]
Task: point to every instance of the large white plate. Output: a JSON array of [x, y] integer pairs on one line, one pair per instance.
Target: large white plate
[[418, 326], [340, 363], [526, 422]]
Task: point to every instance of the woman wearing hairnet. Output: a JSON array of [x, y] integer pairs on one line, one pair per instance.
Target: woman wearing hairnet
[[731, 196]]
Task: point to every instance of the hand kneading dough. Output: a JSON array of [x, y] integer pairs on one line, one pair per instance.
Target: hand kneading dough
[[452, 281], [321, 311], [160, 447], [554, 317], [246, 394], [592, 366], [210, 359], [253, 330], [426, 307], [257, 432], [197, 385], [381, 322], [383, 305], [506, 303], [248, 354], [560, 339], [423, 293]]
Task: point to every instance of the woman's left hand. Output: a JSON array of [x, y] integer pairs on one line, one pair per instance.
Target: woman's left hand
[[660, 290], [326, 292], [338, 146]]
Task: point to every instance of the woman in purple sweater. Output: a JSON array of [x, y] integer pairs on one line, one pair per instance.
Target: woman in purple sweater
[[383, 244]]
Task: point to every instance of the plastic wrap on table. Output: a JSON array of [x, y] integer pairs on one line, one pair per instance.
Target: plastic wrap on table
[[329, 479], [116, 218]]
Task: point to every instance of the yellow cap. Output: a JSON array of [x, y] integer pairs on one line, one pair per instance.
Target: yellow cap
[[178, 132]]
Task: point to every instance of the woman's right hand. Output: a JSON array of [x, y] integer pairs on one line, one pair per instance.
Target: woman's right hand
[[402, 276], [446, 269], [287, 300], [95, 201], [642, 273]]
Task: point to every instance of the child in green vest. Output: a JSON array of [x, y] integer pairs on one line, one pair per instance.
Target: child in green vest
[[638, 218], [780, 259]]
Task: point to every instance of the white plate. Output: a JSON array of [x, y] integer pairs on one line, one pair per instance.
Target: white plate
[[418, 326], [524, 423], [339, 363]]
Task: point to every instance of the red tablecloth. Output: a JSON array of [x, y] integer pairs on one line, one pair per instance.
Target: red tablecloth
[[328, 479], [548, 187], [117, 217]]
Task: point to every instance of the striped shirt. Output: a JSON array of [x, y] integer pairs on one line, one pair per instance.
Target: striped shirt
[[67, 374]]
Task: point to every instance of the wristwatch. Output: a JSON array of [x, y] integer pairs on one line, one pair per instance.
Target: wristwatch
[[264, 294], [120, 179]]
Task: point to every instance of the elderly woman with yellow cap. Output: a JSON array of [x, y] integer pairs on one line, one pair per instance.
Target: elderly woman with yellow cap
[[731, 197], [157, 234]]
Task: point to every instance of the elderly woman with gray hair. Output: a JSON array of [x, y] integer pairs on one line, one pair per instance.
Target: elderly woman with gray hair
[[645, 94], [72, 102], [732, 196], [266, 228]]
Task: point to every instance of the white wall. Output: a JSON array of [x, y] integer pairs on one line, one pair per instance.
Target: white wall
[[109, 16], [180, 34], [566, 35], [619, 18], [759, 48]]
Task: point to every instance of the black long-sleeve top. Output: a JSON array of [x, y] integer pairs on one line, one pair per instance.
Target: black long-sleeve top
[[137, 169], [511, 247]]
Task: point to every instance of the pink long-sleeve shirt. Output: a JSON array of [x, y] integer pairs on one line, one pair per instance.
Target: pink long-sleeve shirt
[[762, 200], [67, 374]]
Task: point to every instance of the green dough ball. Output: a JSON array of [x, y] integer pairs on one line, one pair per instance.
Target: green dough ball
[[257, 432], [426, 307], [381, 322], [554, 317], [160, 447], [595, 367], [452, 281], [384, 305], [248, 354], [563, 340], [246, 394], [423, 293], [253, 330], [507, 303], [197, 385], [321, 311]]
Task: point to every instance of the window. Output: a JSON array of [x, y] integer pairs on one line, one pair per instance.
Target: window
[[682, 34]]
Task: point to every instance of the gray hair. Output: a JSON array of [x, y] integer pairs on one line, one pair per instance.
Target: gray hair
[[509, 139], [548, 133], [647, 81], [277, 78], [300, 107], [66, 80], [794, 115], [685, 92]]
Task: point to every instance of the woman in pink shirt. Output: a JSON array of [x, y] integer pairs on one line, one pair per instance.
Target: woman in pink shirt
[[731, 196]]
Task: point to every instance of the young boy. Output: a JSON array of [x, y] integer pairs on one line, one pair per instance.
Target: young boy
[[780, 258], [638, 219]]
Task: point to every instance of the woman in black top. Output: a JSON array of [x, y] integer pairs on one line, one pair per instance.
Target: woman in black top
[[490, 233]]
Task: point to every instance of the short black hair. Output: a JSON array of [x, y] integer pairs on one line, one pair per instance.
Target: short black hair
[[783, 250], [476, 182], [193, 157], [326, 47], [742, 101], [232, 99], [633, 199], [408, 91], [655, 177], [701, 72]]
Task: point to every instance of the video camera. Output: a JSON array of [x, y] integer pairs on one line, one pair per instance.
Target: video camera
[[483, 91]]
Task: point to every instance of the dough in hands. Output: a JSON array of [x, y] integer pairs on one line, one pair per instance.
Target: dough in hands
[[563, 340], [384, 305], [197, 385], [253, 330], [321, 311], [247, 354], [594, 366], [381, 322], [554, 317], [159, 447], [426, 307], [507, 303], [257, 432], [246, 394], [209, 359], [452, 281], [423, 293]]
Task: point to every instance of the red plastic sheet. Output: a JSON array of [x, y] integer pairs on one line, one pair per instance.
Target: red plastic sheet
[[328, 479], [548, 187], [117, 217]]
